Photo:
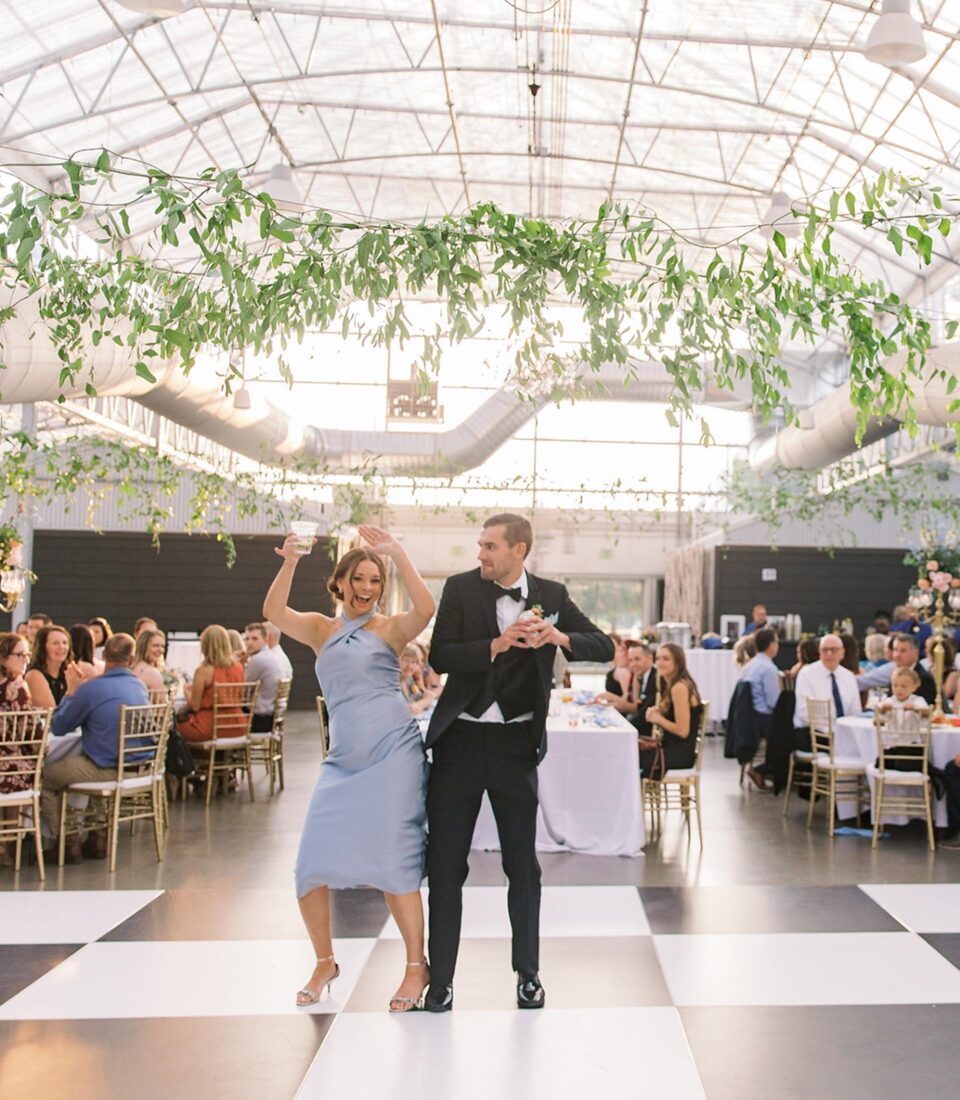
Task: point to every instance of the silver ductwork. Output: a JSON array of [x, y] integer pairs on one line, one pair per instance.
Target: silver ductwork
[[826, 431], [267, 433]]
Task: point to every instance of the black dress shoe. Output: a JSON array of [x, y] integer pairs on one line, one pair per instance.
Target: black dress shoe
[[439, 998], [530, 992]]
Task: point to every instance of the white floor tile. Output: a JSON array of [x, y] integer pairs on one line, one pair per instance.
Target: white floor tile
[[67, 916], [184, 978], [852, 968], [928, 907], [564, 911], [510, 1055]]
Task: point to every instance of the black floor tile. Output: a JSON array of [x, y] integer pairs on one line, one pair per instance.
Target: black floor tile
[[237, 914], [244, 1058], [947, 943], [720, 909], [885, 1052], [22, 964]]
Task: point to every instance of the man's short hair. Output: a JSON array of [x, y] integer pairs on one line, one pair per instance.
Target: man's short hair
[[118, 649], [638, 643], [910, 639], [41, 617], [516, 529], [765, 637], [759, 607], [259, 628]]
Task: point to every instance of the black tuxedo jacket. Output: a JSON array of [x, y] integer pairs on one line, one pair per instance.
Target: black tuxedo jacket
[[460, 646], [648, 698]]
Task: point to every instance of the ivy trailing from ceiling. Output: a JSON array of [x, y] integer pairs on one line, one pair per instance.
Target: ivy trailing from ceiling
[[922, 495], [257, 276]]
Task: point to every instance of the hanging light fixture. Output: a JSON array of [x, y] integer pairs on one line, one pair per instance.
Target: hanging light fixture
[[160, 8], [896, 38], [241, 398], [282, 187], [779, 216]]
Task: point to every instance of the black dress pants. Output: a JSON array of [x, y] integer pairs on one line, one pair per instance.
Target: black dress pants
[[470, 758]]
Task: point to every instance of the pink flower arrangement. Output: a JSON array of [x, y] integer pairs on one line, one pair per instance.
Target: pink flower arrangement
[[933, 566], [923, 583], [941, 581], [15, 555]]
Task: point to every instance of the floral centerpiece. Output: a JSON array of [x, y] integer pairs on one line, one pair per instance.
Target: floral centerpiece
[[935, 599], [13, 577]]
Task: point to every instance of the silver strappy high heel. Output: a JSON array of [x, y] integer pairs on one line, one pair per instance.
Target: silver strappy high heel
[[409, 1004], [311, 998]]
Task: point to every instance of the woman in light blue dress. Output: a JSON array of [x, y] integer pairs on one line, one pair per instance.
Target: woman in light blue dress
[[366, 823]]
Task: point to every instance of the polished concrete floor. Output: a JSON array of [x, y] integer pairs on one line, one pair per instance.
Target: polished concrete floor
[[774, 963]]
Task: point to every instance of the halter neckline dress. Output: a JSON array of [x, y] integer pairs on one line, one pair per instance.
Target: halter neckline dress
[[366, 822]]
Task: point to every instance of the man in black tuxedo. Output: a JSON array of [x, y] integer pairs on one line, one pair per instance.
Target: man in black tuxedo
[[496, 636], [640, 658]]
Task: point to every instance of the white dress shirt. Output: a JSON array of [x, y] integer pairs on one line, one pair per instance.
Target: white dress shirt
[[813, 681], [508, 611]]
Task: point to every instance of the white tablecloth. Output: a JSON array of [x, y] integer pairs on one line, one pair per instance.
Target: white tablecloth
[[857, 737], [183, 656], [589, 788], [715, 672]]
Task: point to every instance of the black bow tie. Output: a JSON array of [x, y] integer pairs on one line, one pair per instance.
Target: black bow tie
[[497, 591]]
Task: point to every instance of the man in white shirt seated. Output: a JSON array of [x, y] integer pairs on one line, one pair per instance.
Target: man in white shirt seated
[[273, 641], [825, 679], [264, 666]]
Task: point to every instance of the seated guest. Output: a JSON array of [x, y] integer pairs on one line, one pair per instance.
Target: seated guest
[[14, 695], [36, 622], [905, 655], [744, 650], [903, 684], [951, 784], [237, 646], [49, 659], [808, 651], [81, 644], [619, 677], [148, 658], [906, 622], [417, 695], [94, 706], [951, 665], [763, 677], [219, 666], [881, 623], [676, 716], [641, 692], [758, 619], [825, 679], [23, 631], [264, 667], [142, 624], [875, 651], [851, 653], [100, 629], [431, 678], [273, 641]]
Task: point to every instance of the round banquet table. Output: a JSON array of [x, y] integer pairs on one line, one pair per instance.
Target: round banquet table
[[589, 786], [856, 736], [715, 672]]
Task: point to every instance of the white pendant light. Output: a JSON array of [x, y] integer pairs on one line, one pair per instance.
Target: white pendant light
[[241, 398], [896, 38], [159, 8], [281, 186], [780, 217]]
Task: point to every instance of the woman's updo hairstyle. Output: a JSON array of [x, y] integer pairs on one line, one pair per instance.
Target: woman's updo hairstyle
[[347, 566]]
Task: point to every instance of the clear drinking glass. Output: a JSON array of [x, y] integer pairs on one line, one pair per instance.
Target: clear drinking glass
[[306, 531]]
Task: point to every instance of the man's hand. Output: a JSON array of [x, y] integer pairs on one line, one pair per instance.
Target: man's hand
[[542, 633], [517, 634]]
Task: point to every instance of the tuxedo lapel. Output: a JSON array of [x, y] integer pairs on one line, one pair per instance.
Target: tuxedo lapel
[[488, 606]]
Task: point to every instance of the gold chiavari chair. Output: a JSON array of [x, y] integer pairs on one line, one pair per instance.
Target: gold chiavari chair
[[267, 748], [137, 792], [833, 776], [324, 727], [23, 742], [679, 788], [232, 714], [903, 746]]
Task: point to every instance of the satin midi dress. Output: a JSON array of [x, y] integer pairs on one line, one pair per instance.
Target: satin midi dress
[[367, 820]]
